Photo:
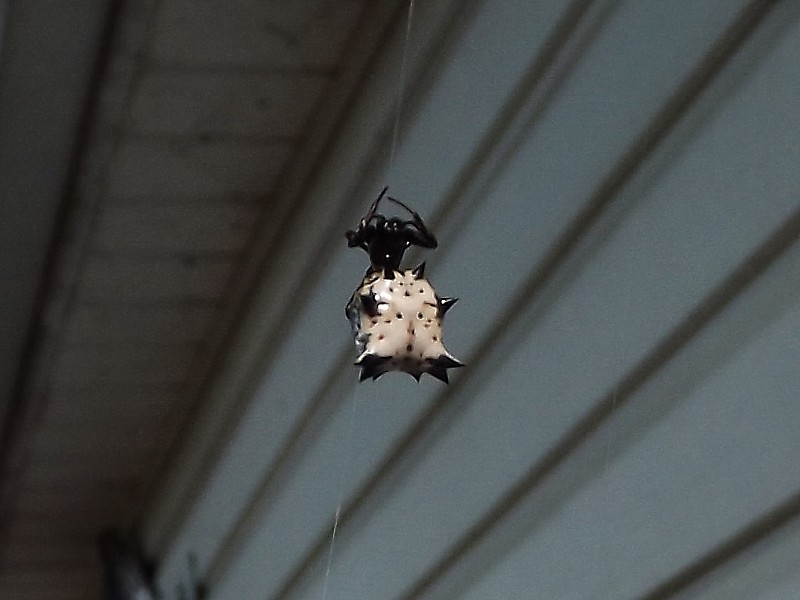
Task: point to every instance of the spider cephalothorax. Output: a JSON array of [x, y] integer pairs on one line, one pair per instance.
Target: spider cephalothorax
[[395, 314], [385, 240]]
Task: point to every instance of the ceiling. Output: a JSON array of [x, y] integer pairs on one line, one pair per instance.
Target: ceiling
[[614, 189]]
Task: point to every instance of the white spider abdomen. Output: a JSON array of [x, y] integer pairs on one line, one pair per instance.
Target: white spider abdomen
[[397, 325]]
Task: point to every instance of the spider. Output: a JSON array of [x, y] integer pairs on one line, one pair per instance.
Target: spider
[[386, 240], [396, 315]]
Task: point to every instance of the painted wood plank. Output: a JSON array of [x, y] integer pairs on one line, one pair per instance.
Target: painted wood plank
[[192, 228], [32, 550], [102, 401], [123, 449], [113, 458], [184, 170], [131, 281], [69, 499], [221, 103], [164, 364], [46, 584], [308, 33], [56, 469], [83, 436], [105, 323]]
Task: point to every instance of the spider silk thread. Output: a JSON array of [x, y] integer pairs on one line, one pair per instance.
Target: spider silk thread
[[400, 91], [398, 109], [340, 485]]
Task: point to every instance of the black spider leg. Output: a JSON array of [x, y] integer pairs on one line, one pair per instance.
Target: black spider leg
[[358, 237], [402, 204], [416, 231], [374, 206]]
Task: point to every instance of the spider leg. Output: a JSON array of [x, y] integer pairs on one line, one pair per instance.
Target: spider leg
[[416, 230], [374, 206], [416, 233], [357, 238], [396, 201]]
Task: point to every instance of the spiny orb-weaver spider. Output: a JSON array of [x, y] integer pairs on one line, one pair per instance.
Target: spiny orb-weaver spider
[[396, 315]]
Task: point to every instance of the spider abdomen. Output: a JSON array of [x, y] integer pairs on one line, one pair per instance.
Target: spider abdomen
[[397, 325]]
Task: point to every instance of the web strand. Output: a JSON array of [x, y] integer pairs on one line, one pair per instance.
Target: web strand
[[340, 485], [400, 92], [330, 550], [398, 108]]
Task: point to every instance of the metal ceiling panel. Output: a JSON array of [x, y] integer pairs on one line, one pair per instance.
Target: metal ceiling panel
[[767, 570], [693, 457]]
